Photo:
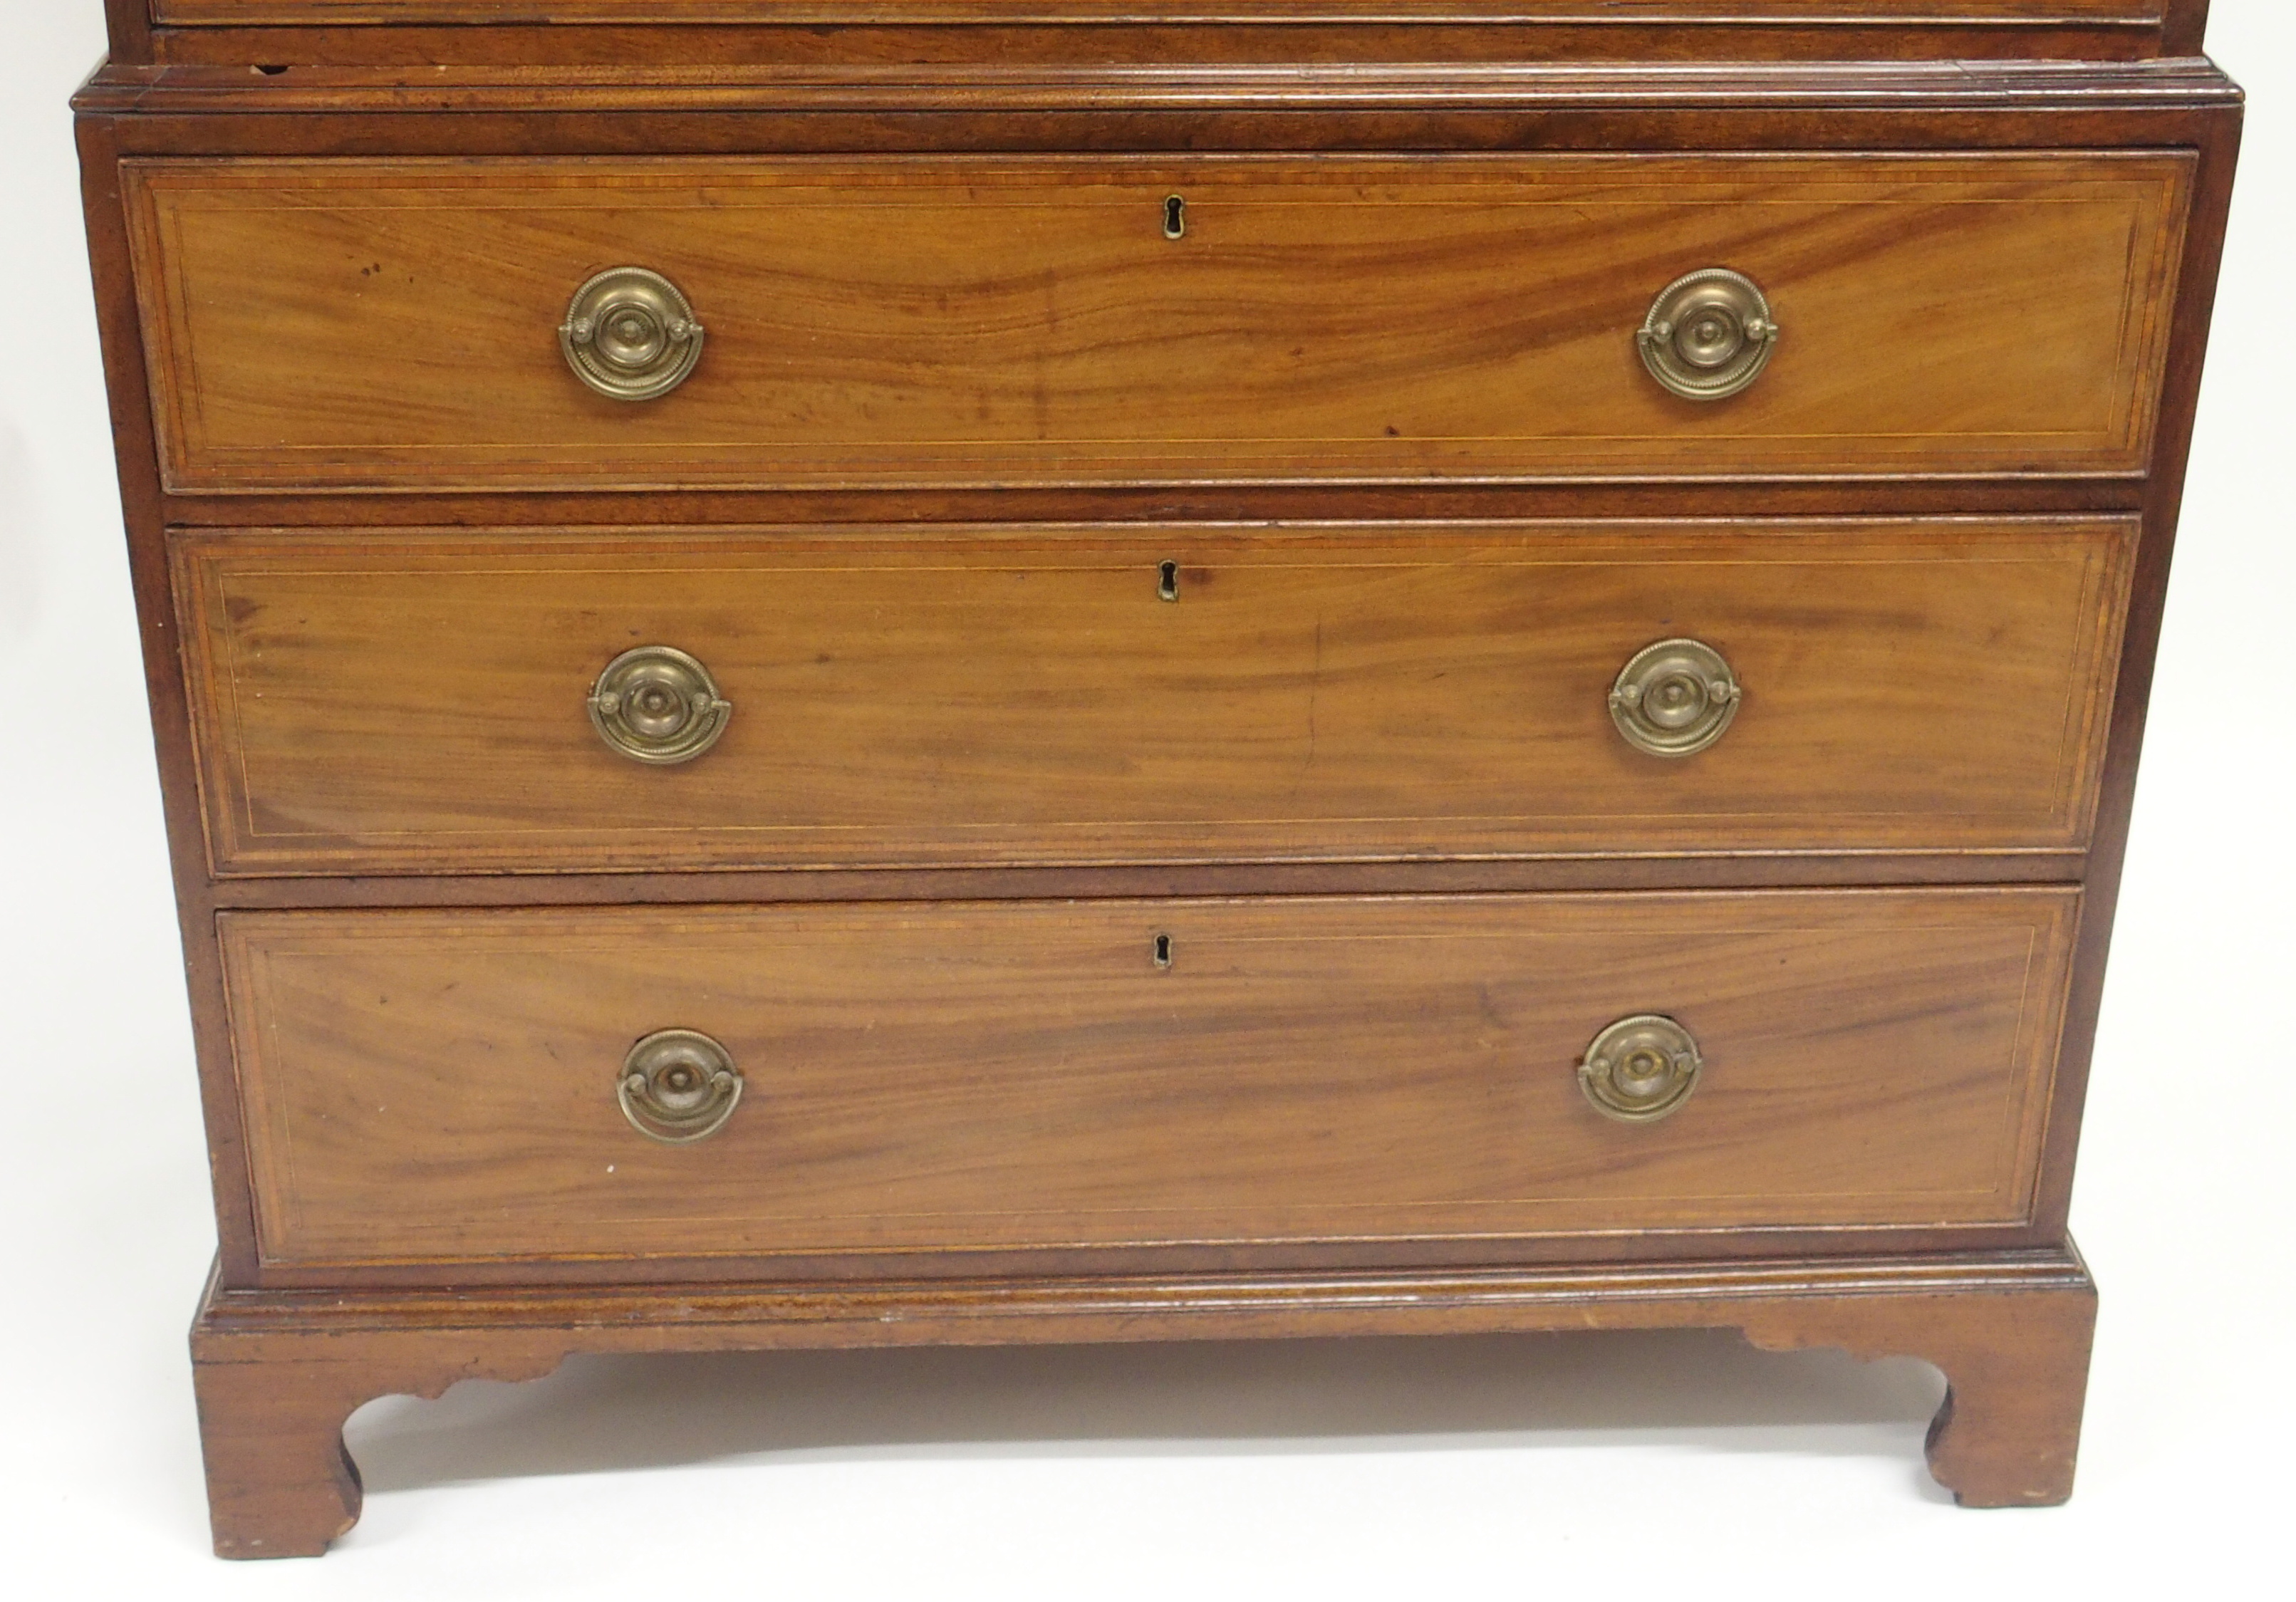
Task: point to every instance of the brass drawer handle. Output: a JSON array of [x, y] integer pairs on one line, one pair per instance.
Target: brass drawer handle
[[1640, 1068], [679, 1086], [658, 705], [630, 334], [1709, 335], [1675, 698]]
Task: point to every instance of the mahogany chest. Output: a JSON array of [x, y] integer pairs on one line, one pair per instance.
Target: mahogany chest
[[849, 671]]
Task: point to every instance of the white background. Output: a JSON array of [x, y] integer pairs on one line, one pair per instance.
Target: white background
[[1480, 1467]]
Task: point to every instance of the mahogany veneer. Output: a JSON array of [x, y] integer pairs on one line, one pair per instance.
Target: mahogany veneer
[[960, 1077], [1163, 528], [929, 698], [1020, 321]]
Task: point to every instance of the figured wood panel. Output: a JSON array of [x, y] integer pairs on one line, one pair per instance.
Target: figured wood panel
[[946, 1076], [901, 320], [381, 702]]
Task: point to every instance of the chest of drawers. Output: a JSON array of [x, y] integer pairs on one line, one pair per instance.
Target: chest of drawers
[[867, 672]]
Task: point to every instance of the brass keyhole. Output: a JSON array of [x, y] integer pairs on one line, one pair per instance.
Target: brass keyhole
[[1163, 950], [1176, 217], [1167, 581]]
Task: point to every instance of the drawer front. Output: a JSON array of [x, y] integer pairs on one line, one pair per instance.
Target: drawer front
[[348, 324], [395, 702], [945, 1077]]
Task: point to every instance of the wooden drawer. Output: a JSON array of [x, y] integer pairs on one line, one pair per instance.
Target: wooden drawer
[[395, 702], [343, 324], [955, 1076]]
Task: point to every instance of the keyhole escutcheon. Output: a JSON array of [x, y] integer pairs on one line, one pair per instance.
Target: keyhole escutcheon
[[1167, 581], [1176, 217]]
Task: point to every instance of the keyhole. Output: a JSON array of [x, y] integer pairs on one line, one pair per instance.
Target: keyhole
[[1176, 217], [1167, 581], [1163, 950]]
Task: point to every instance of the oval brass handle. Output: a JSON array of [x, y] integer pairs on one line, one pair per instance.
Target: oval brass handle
[[679, 1086], [1675, 698], [1709, 335], [658, 705], [1640, 1068], [630, 334]]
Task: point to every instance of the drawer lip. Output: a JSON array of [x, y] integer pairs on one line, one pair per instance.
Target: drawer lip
[[853, 423], [1606, 89], [1703, 13], [1322, 1257], [2046, 915], [1560, 876], [424, 842]]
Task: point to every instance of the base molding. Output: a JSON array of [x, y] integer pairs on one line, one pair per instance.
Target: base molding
[[278, 1372]]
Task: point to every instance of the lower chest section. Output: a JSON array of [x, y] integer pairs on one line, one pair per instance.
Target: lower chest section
[[661, 634]]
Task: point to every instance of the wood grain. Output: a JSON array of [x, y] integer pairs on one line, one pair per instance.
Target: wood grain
[[162, 660], [2165, 489], [1014, 321], [2183, 26], [1367, 99], [416, 702], [2016, 1368], [1647, 12], [948, 1076], [625, 49]]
